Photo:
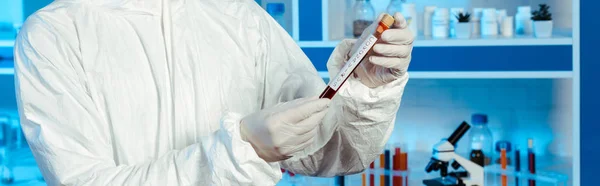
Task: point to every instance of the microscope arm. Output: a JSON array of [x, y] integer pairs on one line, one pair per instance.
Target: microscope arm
[[475, 171]]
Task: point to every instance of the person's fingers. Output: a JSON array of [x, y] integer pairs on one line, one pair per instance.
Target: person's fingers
[[398, 36], [311, 122], [390, 62], [399, 21], [392, 50], [304, 110]]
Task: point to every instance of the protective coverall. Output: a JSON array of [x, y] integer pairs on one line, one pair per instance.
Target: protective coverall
[[124, 92]]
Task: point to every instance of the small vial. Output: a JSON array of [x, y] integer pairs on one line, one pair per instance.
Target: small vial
[[337, 82]]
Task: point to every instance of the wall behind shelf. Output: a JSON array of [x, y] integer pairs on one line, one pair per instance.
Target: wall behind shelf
[[518, 109]]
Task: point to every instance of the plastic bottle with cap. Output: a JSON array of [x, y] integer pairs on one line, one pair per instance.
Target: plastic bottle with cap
[[277, 11], [440, 23], [489, 23], [500, 15], [427, 15], [409, 11], [523, 23], [476, 21]]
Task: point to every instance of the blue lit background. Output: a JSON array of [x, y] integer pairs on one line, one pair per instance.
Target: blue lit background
[[528, 89]]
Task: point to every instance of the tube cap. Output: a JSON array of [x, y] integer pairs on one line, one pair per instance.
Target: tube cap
[[387, 20], [503, 144]]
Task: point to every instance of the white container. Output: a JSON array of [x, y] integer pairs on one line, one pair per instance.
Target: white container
[[476, 21], [500, 15], [409, 10], [542, 28], [440, 23], [463, 30], [428, 13], [507, 26], [489, 25], [523, 21], [453, 20]]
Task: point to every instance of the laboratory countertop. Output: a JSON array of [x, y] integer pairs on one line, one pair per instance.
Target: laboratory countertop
[[26, 172], [418, 160]]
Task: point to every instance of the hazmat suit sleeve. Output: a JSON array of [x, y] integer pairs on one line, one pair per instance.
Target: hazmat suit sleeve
[[71, 138], [359, 121]]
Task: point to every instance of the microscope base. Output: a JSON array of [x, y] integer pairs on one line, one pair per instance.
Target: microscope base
[[448, 181]]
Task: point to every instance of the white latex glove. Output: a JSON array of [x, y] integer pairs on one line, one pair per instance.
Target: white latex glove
[[278, 132], [389, 58]]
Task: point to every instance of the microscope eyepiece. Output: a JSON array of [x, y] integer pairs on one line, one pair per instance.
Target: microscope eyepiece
[[458, 133]]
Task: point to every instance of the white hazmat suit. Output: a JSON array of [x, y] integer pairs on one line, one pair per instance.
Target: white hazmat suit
[[151, 92]]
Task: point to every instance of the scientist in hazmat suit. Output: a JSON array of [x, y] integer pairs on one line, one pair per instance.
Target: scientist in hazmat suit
[[195, 92]]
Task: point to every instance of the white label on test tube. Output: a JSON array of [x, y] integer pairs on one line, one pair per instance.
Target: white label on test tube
[[353, 62]]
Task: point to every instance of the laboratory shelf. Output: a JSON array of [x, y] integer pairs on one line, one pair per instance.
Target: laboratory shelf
[[484, 75], [7, 43], [524, 58], [6, 68], [422, 41]]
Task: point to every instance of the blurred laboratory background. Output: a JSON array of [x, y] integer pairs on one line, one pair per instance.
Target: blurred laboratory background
[[509, 68]]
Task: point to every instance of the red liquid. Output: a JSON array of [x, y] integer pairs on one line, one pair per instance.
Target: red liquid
[[328, 93], [396, 179], [531, 159], [372, 174]]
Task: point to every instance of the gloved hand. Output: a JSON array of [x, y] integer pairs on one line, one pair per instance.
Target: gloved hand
[[388, 60], [278, 132]]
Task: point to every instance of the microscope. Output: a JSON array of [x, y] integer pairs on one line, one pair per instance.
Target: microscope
[[443, 153]]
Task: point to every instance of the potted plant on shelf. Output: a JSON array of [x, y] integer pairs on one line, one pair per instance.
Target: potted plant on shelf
[[463, 27], [542, 21]]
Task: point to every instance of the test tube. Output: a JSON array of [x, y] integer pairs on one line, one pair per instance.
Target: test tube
[[517, 164], [503, 164], [364, 179], [397, 179], [372, 174], [531, 160], [381, 167], [334, 85], [387, 167], [404, 166]]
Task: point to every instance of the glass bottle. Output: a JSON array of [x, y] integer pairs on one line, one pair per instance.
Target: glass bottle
[[394, 6], [277, 11], [480, 133], [364, 15]]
